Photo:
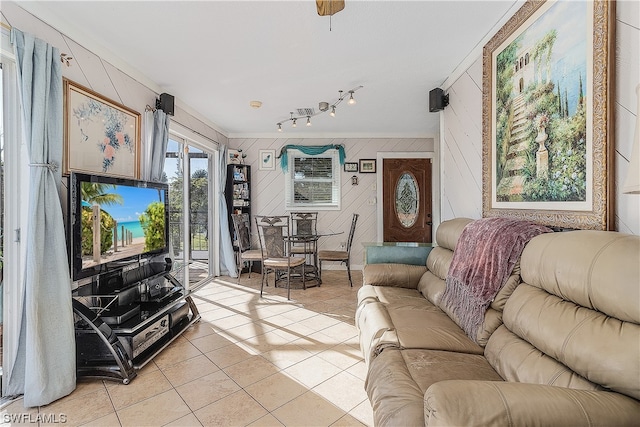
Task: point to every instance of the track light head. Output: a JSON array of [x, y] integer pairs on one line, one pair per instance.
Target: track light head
[[351, 101], [333, 111]]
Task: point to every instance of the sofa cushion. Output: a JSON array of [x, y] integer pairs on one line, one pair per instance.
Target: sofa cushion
[[410, 321], [431, 287], [375, 329], [439, 260], [449, 231], [425, 326], [398, 379], [594, 269], [575, 314], [456, 403], [387, 295], [507, 289], [395, 275], [517, 360], [600, 348]]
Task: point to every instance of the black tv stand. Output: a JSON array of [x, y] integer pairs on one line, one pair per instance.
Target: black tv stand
[[125, 318]]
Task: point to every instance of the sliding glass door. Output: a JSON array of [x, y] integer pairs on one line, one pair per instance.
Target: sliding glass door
[[187, 170]]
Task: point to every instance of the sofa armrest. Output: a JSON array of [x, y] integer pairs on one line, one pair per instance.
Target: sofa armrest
[[459, 402], [397, 275]]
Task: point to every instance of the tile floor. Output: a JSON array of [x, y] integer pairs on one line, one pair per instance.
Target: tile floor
[[249, 361]]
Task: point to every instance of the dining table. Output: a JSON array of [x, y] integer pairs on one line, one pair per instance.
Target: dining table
[[311, 269]]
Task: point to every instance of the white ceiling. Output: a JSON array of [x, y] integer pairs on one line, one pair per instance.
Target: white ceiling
[[217, 56]]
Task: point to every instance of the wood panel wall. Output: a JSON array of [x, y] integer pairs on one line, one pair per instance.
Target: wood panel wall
[[461, 131]]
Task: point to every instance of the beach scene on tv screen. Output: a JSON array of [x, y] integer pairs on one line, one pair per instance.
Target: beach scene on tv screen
[[120, 221]]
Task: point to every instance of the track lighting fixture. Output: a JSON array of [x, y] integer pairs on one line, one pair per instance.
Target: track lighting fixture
[[323, 106]]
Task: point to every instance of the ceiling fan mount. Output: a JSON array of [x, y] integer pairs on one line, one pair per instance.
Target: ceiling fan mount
[[329, 7]]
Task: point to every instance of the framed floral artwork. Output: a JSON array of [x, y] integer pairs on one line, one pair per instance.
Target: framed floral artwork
[[101, 136], [547, 115]]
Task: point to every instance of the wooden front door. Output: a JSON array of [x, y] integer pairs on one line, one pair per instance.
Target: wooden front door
[[406, 194]]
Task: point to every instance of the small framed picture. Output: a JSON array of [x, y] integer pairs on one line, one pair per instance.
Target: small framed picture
[[234, 157], [367, 165], [351, 167], [267, 160]]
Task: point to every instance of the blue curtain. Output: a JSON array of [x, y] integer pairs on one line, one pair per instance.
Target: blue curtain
[[227, 256], [158, 139], [45, 365], [311, 150]]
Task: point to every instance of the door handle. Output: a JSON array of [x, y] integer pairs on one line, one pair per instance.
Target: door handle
[[429, 223]]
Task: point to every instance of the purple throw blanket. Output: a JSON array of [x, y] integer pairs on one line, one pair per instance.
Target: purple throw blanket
[[483, 260]]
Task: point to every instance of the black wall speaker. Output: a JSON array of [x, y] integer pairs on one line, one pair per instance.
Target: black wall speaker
[[437, 100], [165, 103]]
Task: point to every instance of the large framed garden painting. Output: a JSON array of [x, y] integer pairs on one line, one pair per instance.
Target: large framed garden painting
[[101, 136], [547, 115]]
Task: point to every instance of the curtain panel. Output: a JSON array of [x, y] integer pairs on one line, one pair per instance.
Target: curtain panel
[[157, 137], [227, 255], [45, 365]]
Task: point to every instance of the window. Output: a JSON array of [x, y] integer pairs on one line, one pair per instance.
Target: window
[[313, 181]]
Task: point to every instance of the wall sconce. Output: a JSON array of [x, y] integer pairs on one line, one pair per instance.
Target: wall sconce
[[323, 107], [354, 180]]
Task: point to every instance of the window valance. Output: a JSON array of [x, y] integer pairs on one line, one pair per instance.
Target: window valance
[[310, 150]]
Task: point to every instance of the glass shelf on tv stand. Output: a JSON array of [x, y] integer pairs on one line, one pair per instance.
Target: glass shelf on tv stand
[[149, 311]]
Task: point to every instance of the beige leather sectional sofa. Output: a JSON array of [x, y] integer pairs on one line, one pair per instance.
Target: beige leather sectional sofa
[[560, 343]]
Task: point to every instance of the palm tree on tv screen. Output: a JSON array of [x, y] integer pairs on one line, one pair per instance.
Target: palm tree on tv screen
[[93, 192]]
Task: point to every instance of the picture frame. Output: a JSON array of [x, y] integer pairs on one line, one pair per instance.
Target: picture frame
[[267, 160], [233, 157], [367, 165], [547, 151], [101, 136], [351, 167]]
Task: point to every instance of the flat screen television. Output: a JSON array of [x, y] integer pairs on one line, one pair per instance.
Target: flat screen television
[[115, 222]]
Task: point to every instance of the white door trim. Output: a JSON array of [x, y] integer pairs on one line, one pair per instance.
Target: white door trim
[[435, 185]]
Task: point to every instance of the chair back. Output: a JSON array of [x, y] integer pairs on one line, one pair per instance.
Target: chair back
[[273, 232], [352, 231], [241, 226], [304, 223]]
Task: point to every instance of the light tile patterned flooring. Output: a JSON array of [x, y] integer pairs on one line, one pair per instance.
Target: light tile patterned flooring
[[250, 361]]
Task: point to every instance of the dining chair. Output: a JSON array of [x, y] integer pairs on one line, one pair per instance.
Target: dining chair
[[304, 224], [241, 226], [275, 244], [342, 256]]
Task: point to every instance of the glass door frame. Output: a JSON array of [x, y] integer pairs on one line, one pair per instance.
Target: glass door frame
[[188, 138]]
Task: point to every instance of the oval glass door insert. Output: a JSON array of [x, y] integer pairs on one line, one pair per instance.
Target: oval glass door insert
[[407, 200]]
